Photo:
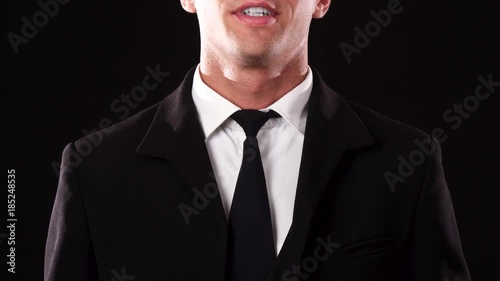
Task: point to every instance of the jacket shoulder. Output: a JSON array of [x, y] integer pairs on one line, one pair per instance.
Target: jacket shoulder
[[127, 134], [386, 129]]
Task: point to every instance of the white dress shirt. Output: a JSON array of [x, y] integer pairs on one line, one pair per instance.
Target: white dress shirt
[[280, 143]]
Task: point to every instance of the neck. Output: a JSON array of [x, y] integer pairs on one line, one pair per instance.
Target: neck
[[252, 87]]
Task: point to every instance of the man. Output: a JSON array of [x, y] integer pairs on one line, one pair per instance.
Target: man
[[254, 169]]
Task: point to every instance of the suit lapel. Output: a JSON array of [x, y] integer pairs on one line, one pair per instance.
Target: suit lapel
[[332, 130], [176, 135]]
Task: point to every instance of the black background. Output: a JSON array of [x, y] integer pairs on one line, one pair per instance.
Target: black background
[[428, 58]]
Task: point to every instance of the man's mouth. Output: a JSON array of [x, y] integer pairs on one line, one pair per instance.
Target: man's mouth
[[256, 12]]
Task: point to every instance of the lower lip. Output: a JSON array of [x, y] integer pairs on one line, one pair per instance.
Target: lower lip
[[255, 21]]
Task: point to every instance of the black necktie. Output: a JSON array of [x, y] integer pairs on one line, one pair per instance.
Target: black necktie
[[251, 251]]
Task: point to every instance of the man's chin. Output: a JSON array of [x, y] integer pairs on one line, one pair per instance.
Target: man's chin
[[256, 57]]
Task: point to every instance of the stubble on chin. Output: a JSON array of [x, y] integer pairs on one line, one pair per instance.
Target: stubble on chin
[[251, 55]]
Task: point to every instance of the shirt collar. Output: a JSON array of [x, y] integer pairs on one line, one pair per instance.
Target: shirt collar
[[213, 109]]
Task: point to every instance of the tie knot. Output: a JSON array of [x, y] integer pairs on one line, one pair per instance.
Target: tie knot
[[252, 120]]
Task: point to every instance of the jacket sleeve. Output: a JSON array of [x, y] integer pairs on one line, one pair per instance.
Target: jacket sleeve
[[68, 252], [436, 251]]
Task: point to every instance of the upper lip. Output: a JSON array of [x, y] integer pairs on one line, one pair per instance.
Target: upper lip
[[256, 4]]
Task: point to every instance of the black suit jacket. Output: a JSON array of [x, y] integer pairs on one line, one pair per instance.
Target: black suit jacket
[[143, 203]]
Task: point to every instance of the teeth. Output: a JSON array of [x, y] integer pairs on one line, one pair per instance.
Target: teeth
[[257, 12]]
